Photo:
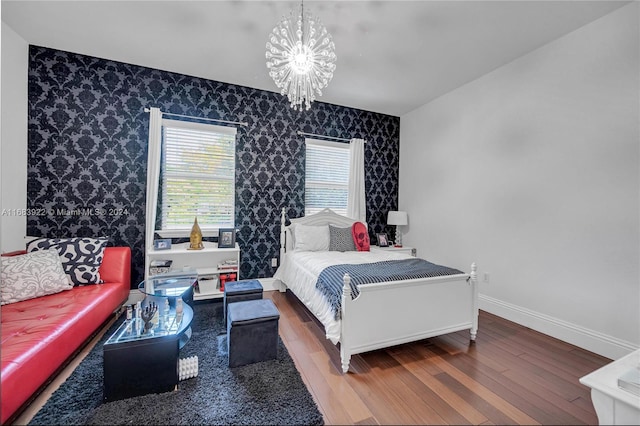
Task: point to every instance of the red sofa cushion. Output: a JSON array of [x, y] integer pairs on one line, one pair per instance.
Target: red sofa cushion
[[39, 335]]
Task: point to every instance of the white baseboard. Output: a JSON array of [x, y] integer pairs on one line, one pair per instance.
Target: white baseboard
[[591, 340], [268, 284]]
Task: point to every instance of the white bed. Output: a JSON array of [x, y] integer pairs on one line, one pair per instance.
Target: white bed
[[383, 314]]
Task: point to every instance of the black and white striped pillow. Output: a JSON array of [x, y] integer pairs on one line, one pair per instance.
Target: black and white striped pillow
[[81, 257]]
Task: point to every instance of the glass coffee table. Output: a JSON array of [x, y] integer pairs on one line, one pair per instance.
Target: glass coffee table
[[139, 360], [171, 285]]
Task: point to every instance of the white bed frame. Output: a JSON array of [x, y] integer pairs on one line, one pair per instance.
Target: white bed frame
[[396, 312]]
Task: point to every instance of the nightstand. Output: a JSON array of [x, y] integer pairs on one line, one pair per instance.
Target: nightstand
[[404, 249]]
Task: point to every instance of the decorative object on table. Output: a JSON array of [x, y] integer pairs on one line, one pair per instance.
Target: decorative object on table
[[162, 244], [147, 315], [226, 238], [188, 367], [382, 240], [160, 266], [167, 307], [195, 238], [301, 57], [397, 218], [129, 318]]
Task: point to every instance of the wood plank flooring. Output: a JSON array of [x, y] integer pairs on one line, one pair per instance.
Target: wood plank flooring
[[511, 375]]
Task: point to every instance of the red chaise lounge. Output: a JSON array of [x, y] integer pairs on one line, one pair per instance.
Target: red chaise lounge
[[39, 335]]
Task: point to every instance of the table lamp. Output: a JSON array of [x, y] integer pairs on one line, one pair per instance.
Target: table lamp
[[398, 219]]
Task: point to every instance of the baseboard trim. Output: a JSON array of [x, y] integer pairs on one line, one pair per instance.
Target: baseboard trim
[[591, 340], [268, 284]]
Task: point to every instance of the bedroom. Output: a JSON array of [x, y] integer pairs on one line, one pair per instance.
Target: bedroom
[[552, 219]]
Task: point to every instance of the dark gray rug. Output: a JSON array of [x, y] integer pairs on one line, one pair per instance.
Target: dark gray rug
[[270, 392]]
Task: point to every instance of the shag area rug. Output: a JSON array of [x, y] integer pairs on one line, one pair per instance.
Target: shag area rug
[[270, 392]]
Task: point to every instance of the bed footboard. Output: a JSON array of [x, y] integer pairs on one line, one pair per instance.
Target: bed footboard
[[392, 313]]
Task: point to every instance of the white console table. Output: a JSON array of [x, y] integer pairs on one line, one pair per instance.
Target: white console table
[[613, 405], [204, 261]]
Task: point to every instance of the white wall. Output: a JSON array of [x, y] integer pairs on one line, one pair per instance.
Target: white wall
[[532, 171], [13, 142]]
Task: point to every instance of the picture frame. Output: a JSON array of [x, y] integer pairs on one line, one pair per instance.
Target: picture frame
[[226, 238], [383, 241], [162, 244]]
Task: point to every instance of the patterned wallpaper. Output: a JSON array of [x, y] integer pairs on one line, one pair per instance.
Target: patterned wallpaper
[[88, 148]]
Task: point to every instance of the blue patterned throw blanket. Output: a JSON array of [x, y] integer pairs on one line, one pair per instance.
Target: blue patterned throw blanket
[[330, 280]]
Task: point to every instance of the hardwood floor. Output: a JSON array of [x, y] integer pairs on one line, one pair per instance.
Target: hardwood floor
[[511, 375]]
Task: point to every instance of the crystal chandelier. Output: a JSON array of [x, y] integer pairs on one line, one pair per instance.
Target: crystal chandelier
[[300, 57]]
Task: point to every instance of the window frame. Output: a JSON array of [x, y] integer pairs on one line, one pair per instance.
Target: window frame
[[207, 230], [331, 145]]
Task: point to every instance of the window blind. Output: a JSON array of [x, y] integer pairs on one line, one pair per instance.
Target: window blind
[[326, 176], [197, 175]]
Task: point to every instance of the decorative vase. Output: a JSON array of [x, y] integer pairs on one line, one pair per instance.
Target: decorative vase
[[196, 237]]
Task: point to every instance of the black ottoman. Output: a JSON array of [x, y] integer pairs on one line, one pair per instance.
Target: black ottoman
[[239, 291], [252, 332]]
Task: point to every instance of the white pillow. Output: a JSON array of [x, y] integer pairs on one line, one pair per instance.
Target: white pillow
[[32, 275], [290, 237], [312, 238]]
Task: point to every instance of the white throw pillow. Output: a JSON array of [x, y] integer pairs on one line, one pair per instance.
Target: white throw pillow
[[312, 238], [32, 275], [290, 237]]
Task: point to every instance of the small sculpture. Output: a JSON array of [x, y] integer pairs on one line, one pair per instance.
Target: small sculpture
[[195, 237], [147, 315]]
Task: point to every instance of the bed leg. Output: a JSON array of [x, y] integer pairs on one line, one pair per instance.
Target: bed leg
[[345, 362], [474, 292], [345, 356]]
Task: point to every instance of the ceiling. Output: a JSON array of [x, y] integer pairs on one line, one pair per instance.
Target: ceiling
[[393, 56]]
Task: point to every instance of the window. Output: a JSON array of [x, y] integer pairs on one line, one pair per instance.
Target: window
[[197, 176], [326, 176]]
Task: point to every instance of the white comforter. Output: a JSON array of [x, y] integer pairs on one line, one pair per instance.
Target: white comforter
[[299, 271]]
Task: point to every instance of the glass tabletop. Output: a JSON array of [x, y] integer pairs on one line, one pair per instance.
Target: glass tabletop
[[169, 285], [167, 323]]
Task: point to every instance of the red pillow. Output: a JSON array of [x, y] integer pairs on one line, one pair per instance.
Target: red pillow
[[360, 236]]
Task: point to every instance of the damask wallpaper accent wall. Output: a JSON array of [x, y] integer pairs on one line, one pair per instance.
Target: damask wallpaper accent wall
[[87, 152]]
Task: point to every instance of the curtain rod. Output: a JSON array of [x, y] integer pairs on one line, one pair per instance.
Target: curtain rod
[[242, 123], [323, 136]]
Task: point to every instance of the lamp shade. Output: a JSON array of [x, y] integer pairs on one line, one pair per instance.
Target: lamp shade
[[397, 218]]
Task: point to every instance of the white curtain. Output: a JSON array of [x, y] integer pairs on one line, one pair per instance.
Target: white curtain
[[356, 204], [153, 175]]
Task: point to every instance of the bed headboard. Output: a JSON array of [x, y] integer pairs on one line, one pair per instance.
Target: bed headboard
[[324, 217]]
